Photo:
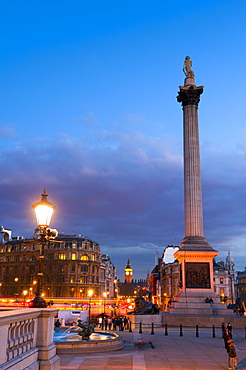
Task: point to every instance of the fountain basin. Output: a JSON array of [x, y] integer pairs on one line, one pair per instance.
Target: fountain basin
[[71, 342]]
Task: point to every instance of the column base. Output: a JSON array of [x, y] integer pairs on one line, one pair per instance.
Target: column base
[[195, 243]]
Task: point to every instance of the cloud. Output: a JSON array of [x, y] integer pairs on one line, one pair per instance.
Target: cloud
[[7, 132], [124, 190], [88, 120]]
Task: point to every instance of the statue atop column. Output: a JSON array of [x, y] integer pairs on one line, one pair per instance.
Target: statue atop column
[[187, 67]]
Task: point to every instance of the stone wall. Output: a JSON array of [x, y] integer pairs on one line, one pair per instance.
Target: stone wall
[[26, 340], [187, 320]]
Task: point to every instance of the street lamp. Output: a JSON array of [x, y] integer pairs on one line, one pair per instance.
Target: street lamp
[[43, 211], [90, 293]]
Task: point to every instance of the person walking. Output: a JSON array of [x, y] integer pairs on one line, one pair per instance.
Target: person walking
[[232, 355]]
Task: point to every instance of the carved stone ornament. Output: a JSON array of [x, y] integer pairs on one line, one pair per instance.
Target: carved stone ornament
[[190, 95], [197, 275]]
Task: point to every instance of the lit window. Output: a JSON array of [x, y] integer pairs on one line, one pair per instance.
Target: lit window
[[72, 279], [83, 280], [62, 256], [73, 256], [84, 258], [93, 257]]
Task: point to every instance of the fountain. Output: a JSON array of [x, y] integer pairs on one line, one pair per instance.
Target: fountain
[[75, 340]]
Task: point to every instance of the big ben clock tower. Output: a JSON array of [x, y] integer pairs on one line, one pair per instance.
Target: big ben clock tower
[[128, 272]]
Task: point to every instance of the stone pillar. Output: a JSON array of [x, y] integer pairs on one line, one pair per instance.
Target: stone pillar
[[195, 255], [189, 96], [45, 343]]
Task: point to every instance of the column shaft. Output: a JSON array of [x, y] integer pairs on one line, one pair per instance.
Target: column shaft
[[192, 174]]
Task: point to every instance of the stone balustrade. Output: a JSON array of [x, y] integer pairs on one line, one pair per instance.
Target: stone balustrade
[[26, 340]]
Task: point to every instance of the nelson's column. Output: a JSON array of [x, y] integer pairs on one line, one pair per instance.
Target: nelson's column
[[195, 255]]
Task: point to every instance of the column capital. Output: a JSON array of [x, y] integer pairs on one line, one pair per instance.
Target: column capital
[[189, 95]]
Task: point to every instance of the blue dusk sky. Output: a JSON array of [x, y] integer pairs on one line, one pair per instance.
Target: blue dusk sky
[[89, 112]]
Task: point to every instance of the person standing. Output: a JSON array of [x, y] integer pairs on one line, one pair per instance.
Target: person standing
[[57, 323], [109, 323], [120, 324], [114, 323], [226, 337], [100, 322], [223, 329], [229, 327], [125, 321], [232, 355], [105, 323]]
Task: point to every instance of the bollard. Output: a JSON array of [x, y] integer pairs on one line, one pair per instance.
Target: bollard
[[181, 330], [213, 331], [166, 333], [130, 327], [152, 329], [197, 333], [140, 328]]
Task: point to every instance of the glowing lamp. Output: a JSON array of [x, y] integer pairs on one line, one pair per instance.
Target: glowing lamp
[[43, 210]]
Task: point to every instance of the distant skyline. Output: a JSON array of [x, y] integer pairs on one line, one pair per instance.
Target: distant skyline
[[89, 112]]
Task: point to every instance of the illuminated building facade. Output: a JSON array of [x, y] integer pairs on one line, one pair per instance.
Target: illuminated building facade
[[73, 264]]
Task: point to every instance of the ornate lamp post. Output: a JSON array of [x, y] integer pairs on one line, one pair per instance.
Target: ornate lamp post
[[44, 210], [90, 293]]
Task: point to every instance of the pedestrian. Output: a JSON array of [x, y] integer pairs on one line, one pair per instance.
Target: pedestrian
[[100, 322], [211, 302], [120, 324], [229, 327], [105, 323], [125, 321], [57, 323], [109, 323], [226, 337], [223, 329], [232, 355], [114, 323]]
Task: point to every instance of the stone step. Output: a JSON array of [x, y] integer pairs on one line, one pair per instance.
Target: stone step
[[193, 304], [196, 299], [198, 311]]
